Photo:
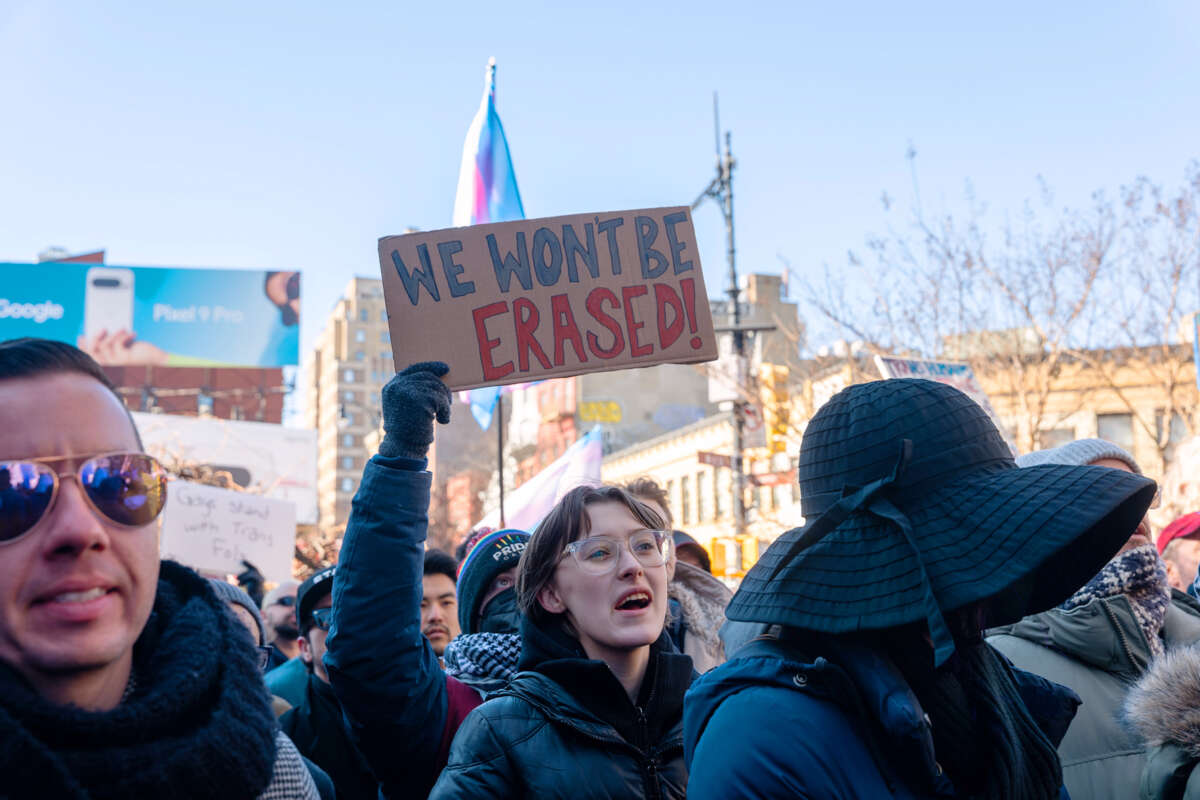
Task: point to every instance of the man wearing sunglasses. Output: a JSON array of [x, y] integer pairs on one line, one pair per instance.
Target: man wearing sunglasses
[[279, 612], [111, 662], [315, 724]]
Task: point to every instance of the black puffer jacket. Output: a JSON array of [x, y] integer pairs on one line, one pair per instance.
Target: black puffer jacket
[[564, 727]]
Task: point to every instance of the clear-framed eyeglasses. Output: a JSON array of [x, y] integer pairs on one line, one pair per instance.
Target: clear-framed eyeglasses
[[599, 555]]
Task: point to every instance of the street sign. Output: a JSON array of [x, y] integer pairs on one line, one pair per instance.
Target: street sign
[[715, 459], [785, 478]]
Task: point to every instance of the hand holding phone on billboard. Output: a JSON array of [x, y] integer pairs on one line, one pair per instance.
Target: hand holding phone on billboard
[[107, 301], [121, 348], [108, 320]]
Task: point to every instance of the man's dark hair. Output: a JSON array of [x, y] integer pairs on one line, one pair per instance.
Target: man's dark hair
[[439, 562], [29, 357]]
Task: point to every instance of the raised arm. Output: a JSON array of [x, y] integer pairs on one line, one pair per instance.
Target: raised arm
[[383, 670]]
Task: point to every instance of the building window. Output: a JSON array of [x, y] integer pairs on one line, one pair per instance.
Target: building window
[[235, 412], [362, 315], [360, 335], [383, 315], [701, 502], [348, 395], [204, 403], [348, 440], [716, 492], [685, 501], [385, 337], [347, 484], [1116, 428], [347, 462], [348, 376], [359, 355]]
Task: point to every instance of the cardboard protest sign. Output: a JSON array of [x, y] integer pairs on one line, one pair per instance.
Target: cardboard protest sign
[[213, 529], [539, 298]]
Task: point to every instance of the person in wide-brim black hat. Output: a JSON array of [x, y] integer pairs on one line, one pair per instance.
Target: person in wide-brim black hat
[[874, 679]]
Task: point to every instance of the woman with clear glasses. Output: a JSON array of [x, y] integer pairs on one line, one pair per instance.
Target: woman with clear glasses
[[597, 708]]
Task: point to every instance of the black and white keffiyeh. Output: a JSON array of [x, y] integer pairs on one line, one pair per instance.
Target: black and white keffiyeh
[[484, 661]]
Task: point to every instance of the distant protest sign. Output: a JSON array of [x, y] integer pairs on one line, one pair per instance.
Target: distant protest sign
[[539, 298], [952, 373], [213, 529]]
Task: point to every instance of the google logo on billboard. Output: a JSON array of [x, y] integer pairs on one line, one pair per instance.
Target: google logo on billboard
[[38, 312]]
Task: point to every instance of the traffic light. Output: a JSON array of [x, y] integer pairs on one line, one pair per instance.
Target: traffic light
[[776, 405]]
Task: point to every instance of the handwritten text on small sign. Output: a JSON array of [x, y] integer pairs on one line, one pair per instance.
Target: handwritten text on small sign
[[213, 529]]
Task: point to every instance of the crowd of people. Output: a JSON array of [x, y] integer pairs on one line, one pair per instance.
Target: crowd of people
[[949, 623]]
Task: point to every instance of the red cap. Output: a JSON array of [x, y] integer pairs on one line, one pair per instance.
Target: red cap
[[1187, 525]]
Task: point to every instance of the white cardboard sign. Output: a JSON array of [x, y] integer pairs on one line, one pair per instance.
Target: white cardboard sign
[[214, 529]]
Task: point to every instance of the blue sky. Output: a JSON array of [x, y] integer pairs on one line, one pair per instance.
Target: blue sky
[[292, 135]]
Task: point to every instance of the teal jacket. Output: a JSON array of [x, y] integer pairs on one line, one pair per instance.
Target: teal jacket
[[772, 722], [1099, 651]]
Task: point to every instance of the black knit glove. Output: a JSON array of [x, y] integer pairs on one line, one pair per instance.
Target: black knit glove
[[411, 402], [251, 581]]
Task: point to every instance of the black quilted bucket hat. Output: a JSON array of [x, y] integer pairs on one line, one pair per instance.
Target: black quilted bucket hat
[[915, 508]]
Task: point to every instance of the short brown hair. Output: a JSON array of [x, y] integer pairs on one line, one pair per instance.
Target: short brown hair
[[567, 522], [28, 357], [648, 488]]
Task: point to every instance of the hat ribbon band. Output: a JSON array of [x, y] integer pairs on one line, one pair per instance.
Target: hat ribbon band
[[868, 499], [921, 475]]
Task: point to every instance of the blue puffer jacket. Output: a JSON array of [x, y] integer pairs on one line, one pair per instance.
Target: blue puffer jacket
[[771, 723], [401, 710]]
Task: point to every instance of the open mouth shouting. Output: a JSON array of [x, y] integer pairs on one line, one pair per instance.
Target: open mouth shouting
[[634, 601]]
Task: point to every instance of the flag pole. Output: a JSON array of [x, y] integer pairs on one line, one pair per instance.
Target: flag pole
[[500, 451]]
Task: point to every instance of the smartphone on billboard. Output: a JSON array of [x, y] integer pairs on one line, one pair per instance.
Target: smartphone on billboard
[[108, 301]]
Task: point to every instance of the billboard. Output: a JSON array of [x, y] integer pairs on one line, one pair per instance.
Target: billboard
[[156, 316], [279, 462]]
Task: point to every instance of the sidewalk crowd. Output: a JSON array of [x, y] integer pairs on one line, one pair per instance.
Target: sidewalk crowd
[[949, 623]]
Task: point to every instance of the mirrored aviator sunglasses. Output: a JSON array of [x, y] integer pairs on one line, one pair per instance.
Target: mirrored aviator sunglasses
[[125, 489]]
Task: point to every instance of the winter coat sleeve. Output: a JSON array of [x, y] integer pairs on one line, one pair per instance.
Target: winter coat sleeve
[[387, 679], [479, 766], [1170, 774]]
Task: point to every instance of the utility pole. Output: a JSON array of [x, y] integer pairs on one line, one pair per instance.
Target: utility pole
[[721, 190]]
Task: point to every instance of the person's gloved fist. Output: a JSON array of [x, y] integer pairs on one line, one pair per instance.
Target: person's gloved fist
[[412, 400]]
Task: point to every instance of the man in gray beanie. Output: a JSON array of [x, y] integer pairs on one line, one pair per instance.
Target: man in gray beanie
[[1101, 640]]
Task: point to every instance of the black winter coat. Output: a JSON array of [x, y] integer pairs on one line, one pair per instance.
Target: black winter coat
[[316, 728], [565, 728]]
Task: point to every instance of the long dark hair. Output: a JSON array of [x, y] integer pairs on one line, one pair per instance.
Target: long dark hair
[[567, 522]]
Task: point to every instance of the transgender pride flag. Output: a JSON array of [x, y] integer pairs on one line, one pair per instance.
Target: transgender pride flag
[[487, 187]]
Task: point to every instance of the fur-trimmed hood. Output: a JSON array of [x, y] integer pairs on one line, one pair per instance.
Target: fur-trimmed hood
[[1164, 706], [702, 600]]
